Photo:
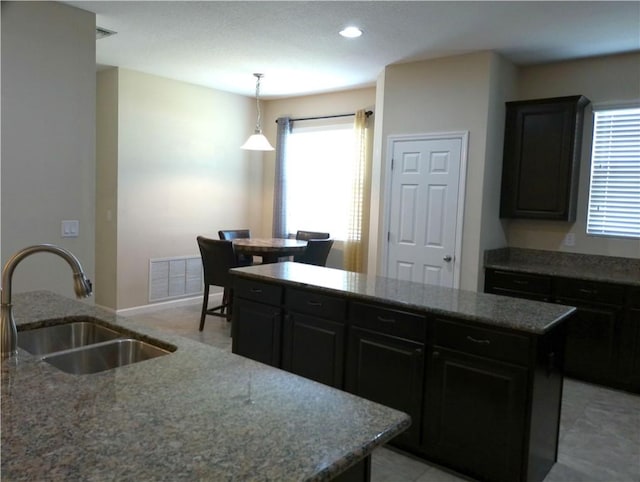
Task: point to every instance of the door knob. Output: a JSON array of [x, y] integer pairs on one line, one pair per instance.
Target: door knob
[[447, 258]]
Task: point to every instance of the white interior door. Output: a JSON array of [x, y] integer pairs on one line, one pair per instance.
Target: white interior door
[[424, 220]]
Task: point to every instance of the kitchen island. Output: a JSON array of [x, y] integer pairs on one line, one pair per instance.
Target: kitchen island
[[480, 374], [198, 413]]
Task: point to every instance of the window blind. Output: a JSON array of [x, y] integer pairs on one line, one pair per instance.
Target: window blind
[[614, 193]]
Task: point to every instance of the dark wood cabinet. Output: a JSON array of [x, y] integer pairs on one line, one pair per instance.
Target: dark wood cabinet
[[390, 371], [476, 408], [314, 336], [475, 414], [541, 158], [257, 333], [629, 349], [519, 285], [257, 321], [603, 336], [629, 361], [385, 362], [593, 334], [590, 351]]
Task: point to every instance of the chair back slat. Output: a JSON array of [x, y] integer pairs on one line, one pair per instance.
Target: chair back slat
[[316, 252], [307, 235], [228, 234]]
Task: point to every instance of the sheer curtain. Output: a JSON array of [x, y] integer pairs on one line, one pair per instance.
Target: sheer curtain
[[354, 249], [279, 189]]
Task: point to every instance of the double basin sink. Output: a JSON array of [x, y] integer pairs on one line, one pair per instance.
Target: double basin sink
[[87, 346]]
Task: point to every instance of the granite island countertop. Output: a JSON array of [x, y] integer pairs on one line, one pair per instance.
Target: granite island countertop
[[588, 267], [199, 413], [498, 311]]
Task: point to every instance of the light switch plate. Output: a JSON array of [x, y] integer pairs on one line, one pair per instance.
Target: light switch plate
[[70, 228]]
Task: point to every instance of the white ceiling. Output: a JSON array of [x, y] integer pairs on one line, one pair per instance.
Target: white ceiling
[[297, 46]]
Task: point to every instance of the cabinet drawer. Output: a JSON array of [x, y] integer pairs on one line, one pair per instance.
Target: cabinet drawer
[[317, 304], [590, 291], [392, 322], [480, 341], [510, 283], [257, 291]]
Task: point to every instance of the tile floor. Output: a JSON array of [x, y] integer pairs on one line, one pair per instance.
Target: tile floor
[[599, 432]]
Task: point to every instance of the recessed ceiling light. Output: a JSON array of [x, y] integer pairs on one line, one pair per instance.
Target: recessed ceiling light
[[351, 32]]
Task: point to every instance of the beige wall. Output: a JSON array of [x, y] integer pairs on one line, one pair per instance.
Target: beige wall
[[180, 173], [604, 79], [106, 281], [444, 95], [48, 138], [502, 87]]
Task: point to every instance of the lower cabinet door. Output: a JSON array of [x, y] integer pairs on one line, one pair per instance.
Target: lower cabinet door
[[475, 415], [313, 348], [256, 331], [630, 349], [390, 371], [591, 348]]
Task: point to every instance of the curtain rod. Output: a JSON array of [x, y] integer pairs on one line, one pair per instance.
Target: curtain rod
[[367, 113]]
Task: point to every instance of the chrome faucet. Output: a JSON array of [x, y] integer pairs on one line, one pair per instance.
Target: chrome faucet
[[8, 333]]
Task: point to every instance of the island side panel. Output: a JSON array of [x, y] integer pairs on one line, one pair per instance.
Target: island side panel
[[546, 403]]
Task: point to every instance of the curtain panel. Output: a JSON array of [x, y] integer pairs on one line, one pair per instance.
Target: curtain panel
[[354, 249], [279, 190]]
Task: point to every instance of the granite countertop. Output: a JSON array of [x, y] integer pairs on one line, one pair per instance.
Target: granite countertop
[[499, 311], [199, 413], [589, 267]]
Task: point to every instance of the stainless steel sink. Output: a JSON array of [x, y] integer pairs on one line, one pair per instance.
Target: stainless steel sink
[[87, 346], [104, 356], [49, 339]]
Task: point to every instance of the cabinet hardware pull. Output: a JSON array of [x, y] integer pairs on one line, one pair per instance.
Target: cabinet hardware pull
[[256, 290], [520, 282], [386, 320], [314, 303], [588, 292], [475, 340]]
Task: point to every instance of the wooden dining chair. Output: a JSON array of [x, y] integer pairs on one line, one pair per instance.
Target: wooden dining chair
[[307, 235], [316, 252], [230, 234], [218, 257]]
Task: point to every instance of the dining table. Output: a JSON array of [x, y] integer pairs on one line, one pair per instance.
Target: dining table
[[269, 249]]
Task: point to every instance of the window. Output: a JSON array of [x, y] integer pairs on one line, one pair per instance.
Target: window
[[614, 192], [319, 175]]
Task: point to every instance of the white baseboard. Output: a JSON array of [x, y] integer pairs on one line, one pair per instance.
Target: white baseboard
[[195, 300]]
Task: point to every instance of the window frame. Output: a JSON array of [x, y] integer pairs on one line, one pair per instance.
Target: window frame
[[606, 174], [314, 126]]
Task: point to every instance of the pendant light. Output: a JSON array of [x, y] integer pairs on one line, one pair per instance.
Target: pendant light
[[257, 141]]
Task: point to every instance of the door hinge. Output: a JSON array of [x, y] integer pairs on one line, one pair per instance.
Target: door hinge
[[392, 163], [388, 236]]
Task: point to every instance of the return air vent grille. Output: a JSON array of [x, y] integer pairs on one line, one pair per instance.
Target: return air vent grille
[[171, 278], [104, 32]]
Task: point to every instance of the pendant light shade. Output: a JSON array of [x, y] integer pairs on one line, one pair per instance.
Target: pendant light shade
[[257, 141]]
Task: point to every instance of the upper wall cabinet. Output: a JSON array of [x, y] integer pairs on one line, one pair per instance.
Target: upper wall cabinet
[[541, 158]]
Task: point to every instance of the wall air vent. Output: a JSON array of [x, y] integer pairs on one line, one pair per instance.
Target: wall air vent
[[104, 32]]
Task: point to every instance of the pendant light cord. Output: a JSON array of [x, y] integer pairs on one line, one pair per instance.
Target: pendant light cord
[[258, 119]]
